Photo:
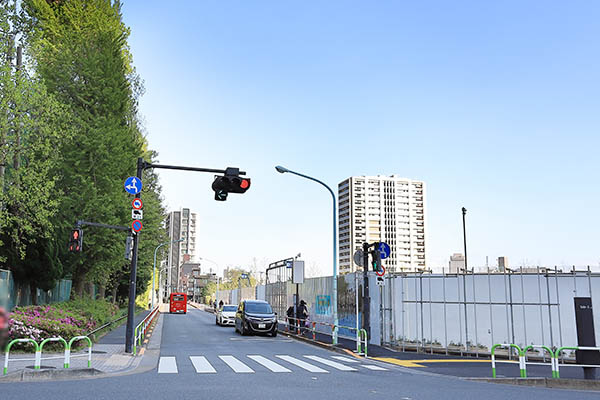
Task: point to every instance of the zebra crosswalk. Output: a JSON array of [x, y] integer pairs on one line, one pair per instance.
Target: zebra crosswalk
[[252, 363]]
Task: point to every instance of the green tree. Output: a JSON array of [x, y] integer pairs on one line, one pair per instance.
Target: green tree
[[82, 54], [33, 126]]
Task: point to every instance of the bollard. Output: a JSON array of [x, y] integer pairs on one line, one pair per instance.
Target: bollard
[[68, 350], [546, 348], [314, 330], [38, 358], [54, 339], [522, 371]]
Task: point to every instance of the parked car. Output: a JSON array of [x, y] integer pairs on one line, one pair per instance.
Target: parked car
[[226, 314], [255, 316]]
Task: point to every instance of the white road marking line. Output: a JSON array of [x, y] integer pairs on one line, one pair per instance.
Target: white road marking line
[[374, 368], [202, 365], [167, 365], [346, 359], [333, 364], [273, 366], [303, 364], [236, 365]]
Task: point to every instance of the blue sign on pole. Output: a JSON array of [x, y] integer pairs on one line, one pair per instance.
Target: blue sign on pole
[[385, 250], [133, 185]]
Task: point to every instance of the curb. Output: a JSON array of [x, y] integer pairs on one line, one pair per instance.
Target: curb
[[554, 383], [27, 375], [323, 345]]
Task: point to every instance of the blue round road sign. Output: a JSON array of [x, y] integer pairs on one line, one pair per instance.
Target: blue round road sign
[[133, 185], [136, 225], [384, 249]]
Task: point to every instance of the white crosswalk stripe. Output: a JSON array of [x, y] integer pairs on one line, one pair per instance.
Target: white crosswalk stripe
[[330, 363], [374, 367], [345, 359], [236, 365], [302, 364], [273, 366], [167, 365], [202, 365]]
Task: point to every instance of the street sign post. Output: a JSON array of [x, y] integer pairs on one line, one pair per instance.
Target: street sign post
[[137, 204], [133, 185], [358, 257], [380, 280], [385, 250]]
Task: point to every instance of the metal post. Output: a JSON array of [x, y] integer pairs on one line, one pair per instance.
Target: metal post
[[459, 313], [506, 312], [512, 318], [549, 309], [132, 277], [402, 283], [356, 308], [541, 311], [523, 300], [490, 300], [574, 281], [421, 301], [366, 298], [589, 275], [475, 316], [416, 314], [558, 307], [430, 318], [464, 212], [445, 319]]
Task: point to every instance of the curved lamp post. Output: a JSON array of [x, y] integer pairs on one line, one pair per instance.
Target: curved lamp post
[[283, 170], [154, 265]]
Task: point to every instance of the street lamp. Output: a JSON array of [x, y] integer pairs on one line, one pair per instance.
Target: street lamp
[[154, 265], [282, 170]]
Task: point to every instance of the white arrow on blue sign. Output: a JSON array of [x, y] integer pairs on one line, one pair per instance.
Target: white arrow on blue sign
[[385, 250], [133, 185]]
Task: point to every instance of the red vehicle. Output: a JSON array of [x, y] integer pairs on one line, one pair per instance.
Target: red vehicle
[[178, 303]]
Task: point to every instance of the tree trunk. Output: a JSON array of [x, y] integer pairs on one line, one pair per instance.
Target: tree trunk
[[78, 283], [102, 292], [114, 295], [33, 293], [90, 290]]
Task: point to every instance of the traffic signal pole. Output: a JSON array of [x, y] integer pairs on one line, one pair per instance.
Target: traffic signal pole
[[366, 297], [141, 167]]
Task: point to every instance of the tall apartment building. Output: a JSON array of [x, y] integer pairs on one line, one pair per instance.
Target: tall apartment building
[[180, 225], [382, 208]]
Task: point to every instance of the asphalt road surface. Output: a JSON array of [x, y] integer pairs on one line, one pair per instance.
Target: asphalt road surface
[[199, 360]]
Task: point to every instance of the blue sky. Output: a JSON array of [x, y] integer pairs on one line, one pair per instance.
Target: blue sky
[[495, 105]]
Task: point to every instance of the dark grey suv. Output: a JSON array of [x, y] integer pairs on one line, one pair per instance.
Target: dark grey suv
[[255, 316]]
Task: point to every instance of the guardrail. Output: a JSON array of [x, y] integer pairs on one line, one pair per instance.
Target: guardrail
[[106, 324], [140, 329], [522, 366], [299, 325], [39, 348], [560, 349], [554, 356]]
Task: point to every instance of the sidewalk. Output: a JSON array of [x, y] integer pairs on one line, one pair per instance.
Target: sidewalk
[[108, 357]]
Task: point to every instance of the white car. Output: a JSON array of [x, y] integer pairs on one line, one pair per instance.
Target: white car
[[226, 315]]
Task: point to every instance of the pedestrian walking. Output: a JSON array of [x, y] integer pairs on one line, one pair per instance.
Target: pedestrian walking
[[302, 314]]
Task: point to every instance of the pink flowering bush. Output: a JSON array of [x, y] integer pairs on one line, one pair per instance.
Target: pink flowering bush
[[66, 320]]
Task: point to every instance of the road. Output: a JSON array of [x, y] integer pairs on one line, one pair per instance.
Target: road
[[199, 360]]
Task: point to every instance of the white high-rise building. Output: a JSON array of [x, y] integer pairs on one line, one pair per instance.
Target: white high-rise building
[[382, 208], [180, 225]]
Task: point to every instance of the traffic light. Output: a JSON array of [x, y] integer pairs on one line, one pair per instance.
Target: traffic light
[[129, 248], [76, 240], [376, 259], [231, 182]]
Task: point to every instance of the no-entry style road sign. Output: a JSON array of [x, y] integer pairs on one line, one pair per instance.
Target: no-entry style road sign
[[358, 257], [133, 185], [385, 250], [137, 204], [136, 225]]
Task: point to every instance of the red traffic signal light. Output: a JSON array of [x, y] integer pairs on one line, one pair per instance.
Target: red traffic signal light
[[245, 184], [76, 240], [229, 183]]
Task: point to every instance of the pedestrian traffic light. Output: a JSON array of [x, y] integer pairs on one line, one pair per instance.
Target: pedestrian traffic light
[[76, 240], [376, 259], [231, 182]]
